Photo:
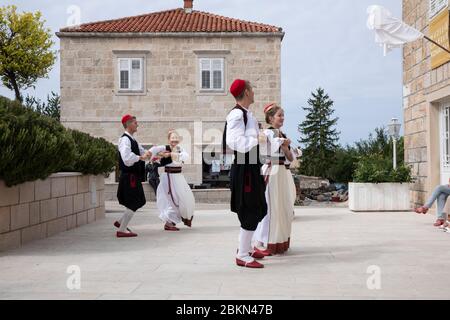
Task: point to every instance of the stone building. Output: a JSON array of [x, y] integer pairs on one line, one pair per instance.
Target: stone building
[[426, 94], [172, 69]]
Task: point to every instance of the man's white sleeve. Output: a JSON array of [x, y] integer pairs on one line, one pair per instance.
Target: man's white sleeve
[[128, 157], [236, 139], [157, 149]]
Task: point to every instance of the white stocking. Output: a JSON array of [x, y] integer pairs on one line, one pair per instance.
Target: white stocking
[[125, 220], [245, 245]]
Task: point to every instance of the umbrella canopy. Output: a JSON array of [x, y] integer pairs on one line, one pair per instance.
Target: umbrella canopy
[[390, 32]]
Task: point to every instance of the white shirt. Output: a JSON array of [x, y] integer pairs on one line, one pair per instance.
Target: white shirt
[[128, 157], [274, 143], [241, 138], [273, 146], [183, 155]]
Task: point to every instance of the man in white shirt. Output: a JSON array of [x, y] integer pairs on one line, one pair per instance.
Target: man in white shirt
[[247, 185], [132, 158]]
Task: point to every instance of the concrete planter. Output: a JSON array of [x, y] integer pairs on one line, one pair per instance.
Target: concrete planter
[[379, 196], [42, 208]]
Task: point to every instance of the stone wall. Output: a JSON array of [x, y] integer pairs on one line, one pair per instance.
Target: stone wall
[[200, 195], [43, 208], [422, 90], [172, 98]]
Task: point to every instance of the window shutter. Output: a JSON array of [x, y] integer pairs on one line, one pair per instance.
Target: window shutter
[[124, 76], [136, 74], [217, 66], [205, 68]]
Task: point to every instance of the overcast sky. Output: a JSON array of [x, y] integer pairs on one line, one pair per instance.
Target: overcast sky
[[327, 44]]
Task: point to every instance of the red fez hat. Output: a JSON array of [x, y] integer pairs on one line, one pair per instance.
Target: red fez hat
[[268, 107], [126, 118], [237, 87]]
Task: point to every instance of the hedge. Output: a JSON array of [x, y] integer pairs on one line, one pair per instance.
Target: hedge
[[34, 146], [92, 155]]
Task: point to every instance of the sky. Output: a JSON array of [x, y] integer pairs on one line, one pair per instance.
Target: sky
[[327, 44]]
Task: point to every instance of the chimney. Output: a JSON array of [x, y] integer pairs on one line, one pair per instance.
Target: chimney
[[188, 5]]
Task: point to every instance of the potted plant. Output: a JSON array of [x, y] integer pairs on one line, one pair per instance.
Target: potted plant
[[378, 187]]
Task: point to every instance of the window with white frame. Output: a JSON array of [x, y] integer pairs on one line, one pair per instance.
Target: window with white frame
[[212, 73], [436, 6], [131, 74], [445, 136]]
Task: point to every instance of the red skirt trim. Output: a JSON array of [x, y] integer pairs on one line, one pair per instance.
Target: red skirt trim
[[278, 248]]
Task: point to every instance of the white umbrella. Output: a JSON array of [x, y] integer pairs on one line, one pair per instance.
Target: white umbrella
[[391, 32]]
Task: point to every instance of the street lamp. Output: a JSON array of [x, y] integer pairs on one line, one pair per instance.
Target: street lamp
[[394, 132]]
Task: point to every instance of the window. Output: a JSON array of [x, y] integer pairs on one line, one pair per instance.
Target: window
[[445, 136], [436, 6], [131, 74], [211, 74]]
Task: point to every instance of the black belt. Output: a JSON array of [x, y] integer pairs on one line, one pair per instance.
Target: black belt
[[172, 169]]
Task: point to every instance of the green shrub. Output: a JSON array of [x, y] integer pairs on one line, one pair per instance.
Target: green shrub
[[372, 158], [92, 155], [33, 146], [378, 169], [344, 165]]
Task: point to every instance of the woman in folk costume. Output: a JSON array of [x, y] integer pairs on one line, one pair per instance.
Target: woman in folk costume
[[174, 197], [132, 158], [273, 233]]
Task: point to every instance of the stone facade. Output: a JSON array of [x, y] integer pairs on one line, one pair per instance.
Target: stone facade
[[42, 208], [423, 92], [172, 97]]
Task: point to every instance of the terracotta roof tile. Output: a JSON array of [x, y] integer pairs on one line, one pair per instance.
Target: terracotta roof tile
[[176, 20]]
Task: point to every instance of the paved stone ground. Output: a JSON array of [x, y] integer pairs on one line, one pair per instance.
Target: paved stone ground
[[332, 249]]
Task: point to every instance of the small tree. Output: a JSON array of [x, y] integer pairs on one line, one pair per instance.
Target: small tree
[[318, 135], [25, 54], [51, 108]]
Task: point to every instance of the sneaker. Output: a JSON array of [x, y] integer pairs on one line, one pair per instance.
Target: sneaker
[[439, 222]]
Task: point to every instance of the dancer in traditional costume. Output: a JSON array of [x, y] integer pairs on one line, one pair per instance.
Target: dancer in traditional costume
[[132, 158], [241, 135], [174, 197], [273, 233]]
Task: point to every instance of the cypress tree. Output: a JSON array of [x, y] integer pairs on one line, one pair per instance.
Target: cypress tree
[[318, 135]]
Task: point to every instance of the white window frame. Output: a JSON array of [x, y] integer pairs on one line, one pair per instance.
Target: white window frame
[[444, 141], [436, 6], [130, 73], [211, 69]]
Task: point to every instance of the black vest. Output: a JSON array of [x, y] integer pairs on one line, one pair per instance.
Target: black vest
[[139, 167], [165, 161], [237, 155]]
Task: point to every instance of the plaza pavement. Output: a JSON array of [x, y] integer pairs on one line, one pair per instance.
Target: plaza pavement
[[334, 254]]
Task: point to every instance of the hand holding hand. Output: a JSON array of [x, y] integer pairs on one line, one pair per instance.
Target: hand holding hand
[[286, 143], [164, 154], [147, 155]]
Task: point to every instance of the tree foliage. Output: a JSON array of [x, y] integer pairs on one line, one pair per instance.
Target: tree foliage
[[25, 49], [319, 136]]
